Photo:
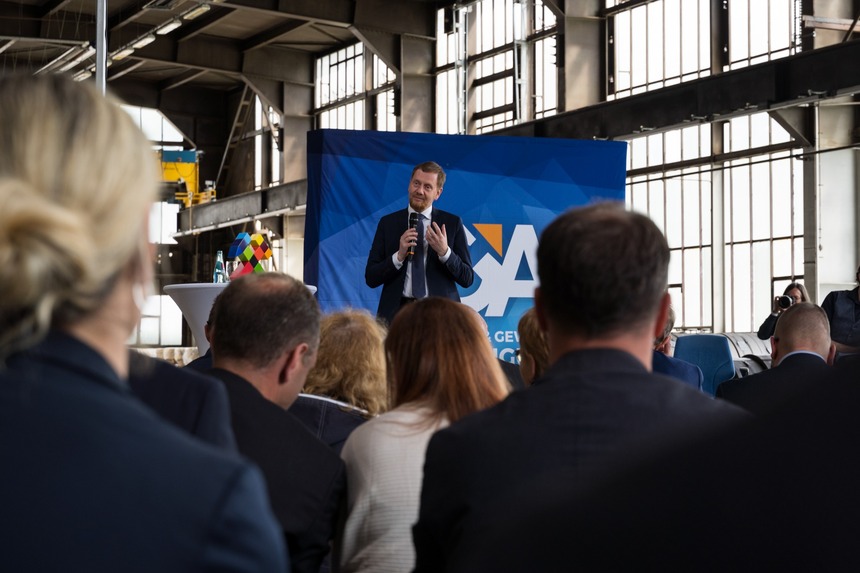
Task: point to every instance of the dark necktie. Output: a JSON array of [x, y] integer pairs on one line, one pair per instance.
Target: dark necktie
[[418, 288]]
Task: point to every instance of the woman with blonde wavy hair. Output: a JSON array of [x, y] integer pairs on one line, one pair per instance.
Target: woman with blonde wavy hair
[[441, 367], [87, 466], [347, 386]]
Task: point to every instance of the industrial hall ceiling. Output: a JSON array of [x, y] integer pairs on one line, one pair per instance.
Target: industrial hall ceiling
[[156, 46], [199, 61]]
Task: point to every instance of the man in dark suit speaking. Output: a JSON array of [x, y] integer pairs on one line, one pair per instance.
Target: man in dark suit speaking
[[429, 259]]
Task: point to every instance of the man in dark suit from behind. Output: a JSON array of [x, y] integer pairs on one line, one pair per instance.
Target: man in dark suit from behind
[[204, 363], [187, 399], [664, 363], [802, 352], [597, 398], [442, 253], [264, 341]]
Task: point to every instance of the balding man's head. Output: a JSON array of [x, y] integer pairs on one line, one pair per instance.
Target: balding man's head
[[803, 326]]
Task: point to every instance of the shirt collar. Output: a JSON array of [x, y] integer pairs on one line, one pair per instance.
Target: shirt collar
[[426, 212], [801, 352]]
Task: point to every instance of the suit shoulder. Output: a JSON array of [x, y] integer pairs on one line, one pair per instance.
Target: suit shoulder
[[401, 214], [494, 421], [442, 214]]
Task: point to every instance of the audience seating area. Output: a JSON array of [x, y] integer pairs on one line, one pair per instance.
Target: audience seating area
[[724, 356]]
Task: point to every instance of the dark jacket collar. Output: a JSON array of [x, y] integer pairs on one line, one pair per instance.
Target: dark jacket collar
[[584, 362], [65, 351]]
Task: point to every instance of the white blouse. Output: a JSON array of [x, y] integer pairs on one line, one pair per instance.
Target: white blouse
[[384, 469]]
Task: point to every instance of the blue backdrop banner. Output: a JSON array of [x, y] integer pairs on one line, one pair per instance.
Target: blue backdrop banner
[[506, 189]]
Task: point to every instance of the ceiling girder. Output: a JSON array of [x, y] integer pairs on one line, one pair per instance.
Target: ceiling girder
[[787, 82]]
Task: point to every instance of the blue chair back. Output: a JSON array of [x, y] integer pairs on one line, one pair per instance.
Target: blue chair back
[[711, 353]]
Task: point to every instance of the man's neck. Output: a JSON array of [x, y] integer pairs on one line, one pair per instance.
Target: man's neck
[[256, 377], [426, 212], [778, 359]]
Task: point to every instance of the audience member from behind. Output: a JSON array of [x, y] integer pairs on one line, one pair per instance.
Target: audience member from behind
[[264, 343], [663, 363], [441, 367], [347, 386], [93, 480], [843, 311], [184, 397], [204, 363], [509, 369], [597, 401], [793, 294], [533, 352], [775, 491], [801, 351]]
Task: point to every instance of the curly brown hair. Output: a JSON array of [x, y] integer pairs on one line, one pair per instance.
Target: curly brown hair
[[351, 361]]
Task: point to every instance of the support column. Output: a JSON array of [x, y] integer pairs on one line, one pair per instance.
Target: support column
[[417, 85], [403, 35], [718, 238], [584, 54], [298, 121]]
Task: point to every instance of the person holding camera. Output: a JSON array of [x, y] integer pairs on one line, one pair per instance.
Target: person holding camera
[[793, 294]]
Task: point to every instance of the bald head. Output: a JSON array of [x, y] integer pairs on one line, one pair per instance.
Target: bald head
[[803, 326]]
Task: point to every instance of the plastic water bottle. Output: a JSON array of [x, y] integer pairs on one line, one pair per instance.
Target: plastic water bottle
[[218, 276]]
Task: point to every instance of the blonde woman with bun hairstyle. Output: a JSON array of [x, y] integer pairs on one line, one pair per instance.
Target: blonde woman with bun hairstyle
[[92, 479], [441, 368]]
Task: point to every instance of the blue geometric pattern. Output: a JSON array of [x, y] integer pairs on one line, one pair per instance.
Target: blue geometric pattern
[[356, 177]]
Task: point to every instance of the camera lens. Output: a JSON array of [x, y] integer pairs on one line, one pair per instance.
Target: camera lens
[[785, 301]]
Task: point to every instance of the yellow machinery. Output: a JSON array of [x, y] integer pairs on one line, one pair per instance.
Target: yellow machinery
[[182, 167]]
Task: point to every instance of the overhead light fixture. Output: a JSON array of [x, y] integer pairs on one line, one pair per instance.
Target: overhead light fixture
[[85, 54], [195, 12], [82, 75], [169, 27], [124, 53], [143, 41], [162, 4]]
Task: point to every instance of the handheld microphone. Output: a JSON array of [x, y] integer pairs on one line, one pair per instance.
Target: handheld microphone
[[413, 224]]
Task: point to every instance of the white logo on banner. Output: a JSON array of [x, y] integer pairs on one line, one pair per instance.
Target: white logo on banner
[[499, 281]]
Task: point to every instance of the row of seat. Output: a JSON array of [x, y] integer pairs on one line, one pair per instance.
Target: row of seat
[[723, 356]]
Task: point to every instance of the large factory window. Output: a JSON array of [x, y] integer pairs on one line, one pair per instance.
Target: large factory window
[[495, 65], [343, 99]]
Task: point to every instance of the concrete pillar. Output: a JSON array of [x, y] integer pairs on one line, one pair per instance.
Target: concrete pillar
[[417, 84], [584, 54]]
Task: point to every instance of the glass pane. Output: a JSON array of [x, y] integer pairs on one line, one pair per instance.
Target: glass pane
[[761, 281], [760, 215]]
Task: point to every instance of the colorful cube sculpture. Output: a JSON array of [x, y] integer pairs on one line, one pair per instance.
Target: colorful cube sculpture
[[251, 250]]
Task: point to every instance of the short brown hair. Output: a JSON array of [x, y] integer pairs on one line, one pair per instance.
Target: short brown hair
[[259, 316], [438, 355], [431, 167], [602, 270], [533, 341], [351, 361]]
